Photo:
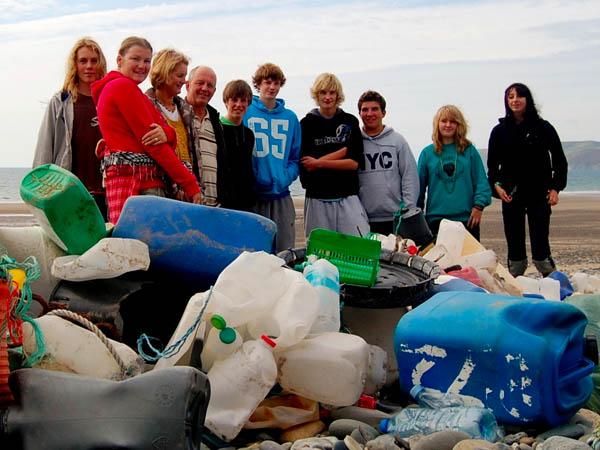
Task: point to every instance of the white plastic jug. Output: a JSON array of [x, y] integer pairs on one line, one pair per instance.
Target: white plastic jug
[[71, 348], [481, 260], [330, 368], [550, 288], [108, 258], [248, 287], [292, 315], [221, 342], [191, 313], [452, 236], [325, 278], [529, 285], [238, 384]]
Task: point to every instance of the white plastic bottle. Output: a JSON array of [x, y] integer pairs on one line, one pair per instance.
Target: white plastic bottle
[[479, 423], [432, 398], [221, 342], [325, 278], [238, 384], [330, 368]]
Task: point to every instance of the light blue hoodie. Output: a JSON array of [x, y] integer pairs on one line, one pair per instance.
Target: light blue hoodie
[[276, 147]]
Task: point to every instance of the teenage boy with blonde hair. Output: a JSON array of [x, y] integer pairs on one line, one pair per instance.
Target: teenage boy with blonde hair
[[276, 152]]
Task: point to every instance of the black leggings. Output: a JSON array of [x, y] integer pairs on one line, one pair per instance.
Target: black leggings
[[538, 213]]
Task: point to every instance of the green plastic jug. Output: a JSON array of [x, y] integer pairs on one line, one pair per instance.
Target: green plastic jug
[[63, 207]]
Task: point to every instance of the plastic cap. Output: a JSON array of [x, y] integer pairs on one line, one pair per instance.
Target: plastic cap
[[366, 401], [383, 425], [227, 335], [218, 322], [416, 390], [270, 342]]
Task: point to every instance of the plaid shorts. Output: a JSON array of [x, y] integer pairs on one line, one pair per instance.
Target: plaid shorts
[[123, 181]]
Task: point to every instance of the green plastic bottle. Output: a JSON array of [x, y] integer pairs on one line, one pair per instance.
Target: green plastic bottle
[[63, 207]]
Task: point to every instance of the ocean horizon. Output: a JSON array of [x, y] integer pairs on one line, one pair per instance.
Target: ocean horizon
[[580, 181]]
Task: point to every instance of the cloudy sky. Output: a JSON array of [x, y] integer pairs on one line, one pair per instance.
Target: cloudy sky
[[418, 54]]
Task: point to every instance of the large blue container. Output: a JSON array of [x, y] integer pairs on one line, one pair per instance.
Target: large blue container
[[522, 357], [193, 243]]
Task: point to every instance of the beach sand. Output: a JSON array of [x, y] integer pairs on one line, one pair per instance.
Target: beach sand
[[574, 232]]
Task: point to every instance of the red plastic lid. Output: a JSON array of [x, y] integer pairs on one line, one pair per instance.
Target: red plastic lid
[[366, 401], [270, 342]]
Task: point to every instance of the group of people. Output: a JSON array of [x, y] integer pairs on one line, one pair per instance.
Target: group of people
[[121, 142]]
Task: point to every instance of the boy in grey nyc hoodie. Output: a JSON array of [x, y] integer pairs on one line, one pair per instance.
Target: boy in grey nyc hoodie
[[390, 171]]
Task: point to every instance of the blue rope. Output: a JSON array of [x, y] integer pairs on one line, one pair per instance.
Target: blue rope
[[174, 348]]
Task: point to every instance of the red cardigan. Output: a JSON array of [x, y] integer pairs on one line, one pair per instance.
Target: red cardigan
[[125, 115]]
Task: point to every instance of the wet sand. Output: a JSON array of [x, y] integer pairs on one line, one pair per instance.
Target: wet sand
[[574, 232]]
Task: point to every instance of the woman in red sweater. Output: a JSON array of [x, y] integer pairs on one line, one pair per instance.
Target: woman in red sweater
[[138, 153]]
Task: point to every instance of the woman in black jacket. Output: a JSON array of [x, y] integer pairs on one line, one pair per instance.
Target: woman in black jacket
[[527, 169]]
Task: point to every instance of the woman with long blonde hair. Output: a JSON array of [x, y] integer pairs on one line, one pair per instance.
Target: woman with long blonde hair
[[453, 181], [69, 131]]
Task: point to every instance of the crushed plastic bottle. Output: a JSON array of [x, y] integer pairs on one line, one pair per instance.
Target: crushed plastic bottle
[[325, 278], [432, 398], [479, 423], [238, 384]]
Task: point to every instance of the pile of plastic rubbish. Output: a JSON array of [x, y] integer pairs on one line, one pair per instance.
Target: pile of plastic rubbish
[[256, 358]]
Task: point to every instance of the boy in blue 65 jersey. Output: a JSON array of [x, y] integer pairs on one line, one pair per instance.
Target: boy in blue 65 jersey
[[276, 152]]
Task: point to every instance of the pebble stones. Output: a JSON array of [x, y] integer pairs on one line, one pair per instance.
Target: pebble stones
[[562, 443], [440, 440], [480, 444], [573, 431], [270, 445], [321, 443], [345, 427], [387, 442], [302, 431], [591, 416]]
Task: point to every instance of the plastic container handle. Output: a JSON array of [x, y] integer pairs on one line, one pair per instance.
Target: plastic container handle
[[586, 367]]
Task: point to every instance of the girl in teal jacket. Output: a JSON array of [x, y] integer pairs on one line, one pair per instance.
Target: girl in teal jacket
[[451, 174]]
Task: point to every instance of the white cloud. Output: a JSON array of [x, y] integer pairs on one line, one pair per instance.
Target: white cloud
[[11, 9], [348, 37]]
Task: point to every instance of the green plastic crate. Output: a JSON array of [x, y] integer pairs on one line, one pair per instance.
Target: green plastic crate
[[356, 258]]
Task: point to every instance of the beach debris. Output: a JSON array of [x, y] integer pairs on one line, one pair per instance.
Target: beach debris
[[108, 258]]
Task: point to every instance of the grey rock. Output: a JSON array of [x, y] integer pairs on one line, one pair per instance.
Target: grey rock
[[525, 447], [440, 440], [270, 445], [322, 443], [340, 445], [474, 444], [502, 446], [364, 433], [384, 442], [287, 445], [510, 439], [344, 427], [369, 416], [563, 443], [352, 444], [574, 431]]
